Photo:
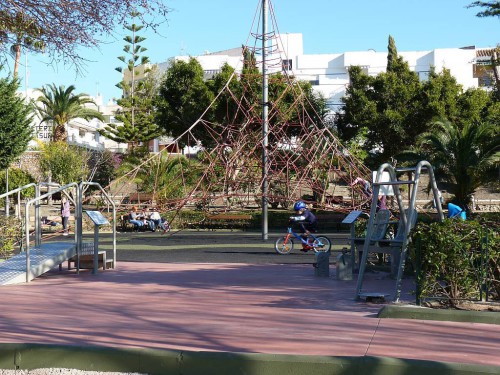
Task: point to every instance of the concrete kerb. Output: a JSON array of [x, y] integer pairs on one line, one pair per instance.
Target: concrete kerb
[[424, 313], [164, 362]]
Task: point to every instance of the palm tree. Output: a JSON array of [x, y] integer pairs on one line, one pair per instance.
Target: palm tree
[[25, 33], [466, 157], [58, 106]]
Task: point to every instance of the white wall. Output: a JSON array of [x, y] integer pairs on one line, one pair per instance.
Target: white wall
[[330, 71]]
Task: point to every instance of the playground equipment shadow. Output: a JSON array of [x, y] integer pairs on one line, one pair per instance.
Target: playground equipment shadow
[[272, 309]]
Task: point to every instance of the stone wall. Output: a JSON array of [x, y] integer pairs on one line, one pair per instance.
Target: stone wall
[[30, 162]]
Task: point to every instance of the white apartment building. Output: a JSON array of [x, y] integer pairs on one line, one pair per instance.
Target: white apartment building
[[328, 73]]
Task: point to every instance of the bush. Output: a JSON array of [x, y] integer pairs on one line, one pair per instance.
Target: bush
[[17, 178], [454, 264], [10, 236]]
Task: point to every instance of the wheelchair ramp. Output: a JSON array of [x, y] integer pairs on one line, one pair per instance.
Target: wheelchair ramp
[[42, 259]]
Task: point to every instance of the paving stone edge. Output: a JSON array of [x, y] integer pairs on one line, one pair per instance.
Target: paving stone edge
[[426, 313]]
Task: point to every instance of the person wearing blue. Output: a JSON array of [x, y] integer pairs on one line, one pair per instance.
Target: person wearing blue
[[134, 219], [456, 211], [305, 220]]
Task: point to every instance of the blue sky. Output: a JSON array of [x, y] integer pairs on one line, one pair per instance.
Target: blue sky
[[328, 26]]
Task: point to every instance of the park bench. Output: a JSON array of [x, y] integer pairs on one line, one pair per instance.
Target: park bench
[[140, 198], [228, 221], [125, 224]]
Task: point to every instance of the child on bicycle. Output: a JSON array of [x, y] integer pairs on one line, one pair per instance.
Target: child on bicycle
[[305, 221]]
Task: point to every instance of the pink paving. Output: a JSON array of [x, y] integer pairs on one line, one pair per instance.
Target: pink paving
[[229, 307]]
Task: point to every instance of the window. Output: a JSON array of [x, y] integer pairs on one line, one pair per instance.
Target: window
[[287, 64], [423, 75], [485, 81], [81, 133]]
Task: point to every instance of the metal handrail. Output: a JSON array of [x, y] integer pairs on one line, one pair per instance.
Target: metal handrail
[[38, 235]]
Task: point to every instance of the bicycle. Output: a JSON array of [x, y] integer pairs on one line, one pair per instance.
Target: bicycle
[[284, 245]]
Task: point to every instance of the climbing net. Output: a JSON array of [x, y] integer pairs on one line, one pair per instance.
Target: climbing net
[[303, 158]]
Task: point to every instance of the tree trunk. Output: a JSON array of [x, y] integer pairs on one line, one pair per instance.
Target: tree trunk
[[17, 59], [59, 133]]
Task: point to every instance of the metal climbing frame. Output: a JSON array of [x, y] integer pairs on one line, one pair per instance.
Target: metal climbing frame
[[408, 215]]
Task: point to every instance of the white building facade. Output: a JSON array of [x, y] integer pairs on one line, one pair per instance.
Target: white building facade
[[328, 73]]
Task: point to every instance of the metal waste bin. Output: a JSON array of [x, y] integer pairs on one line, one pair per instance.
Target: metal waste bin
[[322, 265], [344, 266]]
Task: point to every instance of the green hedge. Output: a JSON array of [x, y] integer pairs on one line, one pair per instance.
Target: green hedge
[[457, 259]]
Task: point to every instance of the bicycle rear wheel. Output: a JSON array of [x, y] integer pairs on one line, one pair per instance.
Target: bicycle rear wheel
[[283, 245], [322, 244]]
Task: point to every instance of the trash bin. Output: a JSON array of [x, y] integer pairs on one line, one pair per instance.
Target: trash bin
[[344, 266], [322, 265]]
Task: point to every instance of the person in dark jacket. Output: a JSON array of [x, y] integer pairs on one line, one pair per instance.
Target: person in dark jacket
[[305, 220]]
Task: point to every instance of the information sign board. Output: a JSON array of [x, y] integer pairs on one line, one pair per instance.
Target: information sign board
[[97, 217]]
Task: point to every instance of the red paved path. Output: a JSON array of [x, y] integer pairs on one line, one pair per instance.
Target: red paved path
[[229, 307]]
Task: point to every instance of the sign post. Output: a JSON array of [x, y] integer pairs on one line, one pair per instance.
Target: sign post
[[351, 220], [98, 219]]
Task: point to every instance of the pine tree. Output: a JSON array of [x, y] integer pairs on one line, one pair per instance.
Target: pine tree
[[139, 87], [15, 123], [392, 54]]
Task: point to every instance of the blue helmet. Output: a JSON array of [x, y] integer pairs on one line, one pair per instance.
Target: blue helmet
[[299, 206]]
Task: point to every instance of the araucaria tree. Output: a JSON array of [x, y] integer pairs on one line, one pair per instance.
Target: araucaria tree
[[15, 122], [139, 87], [59, 105]]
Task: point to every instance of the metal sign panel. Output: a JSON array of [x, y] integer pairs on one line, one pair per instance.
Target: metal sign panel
[[97, 217], [351, 217]]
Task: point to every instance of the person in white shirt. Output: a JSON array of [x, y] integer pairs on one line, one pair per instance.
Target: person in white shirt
[[155, 218]]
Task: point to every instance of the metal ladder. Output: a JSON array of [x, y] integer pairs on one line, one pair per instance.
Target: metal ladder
[[408, 219]]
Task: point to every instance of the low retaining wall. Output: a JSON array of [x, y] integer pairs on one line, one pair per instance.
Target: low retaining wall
[[164, 362]]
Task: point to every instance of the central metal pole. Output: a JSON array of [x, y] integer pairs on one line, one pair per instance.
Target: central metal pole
[[265, 109]]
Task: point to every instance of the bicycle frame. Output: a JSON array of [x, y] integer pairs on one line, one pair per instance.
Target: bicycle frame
[[290, 232]]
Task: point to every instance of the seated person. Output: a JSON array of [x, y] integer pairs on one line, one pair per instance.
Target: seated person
[[135, 219], [156, 220], [305, 220], [146, 218]]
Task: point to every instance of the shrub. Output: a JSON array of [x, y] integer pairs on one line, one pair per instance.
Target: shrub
[[10, 236], [454, 264], [17, 178]]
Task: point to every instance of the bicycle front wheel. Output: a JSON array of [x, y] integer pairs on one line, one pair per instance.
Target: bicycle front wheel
[[283, 245], [322, 244]]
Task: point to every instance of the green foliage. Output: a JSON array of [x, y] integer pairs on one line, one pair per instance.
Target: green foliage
[[451, 256], [465, 157], [104, 166], [64, 163], [139, 88], [492, 8], [183, 98], [386, 108], [17, 178], [386, 113], [10, 236], [15, 123], [59, 105], [169, 177]]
